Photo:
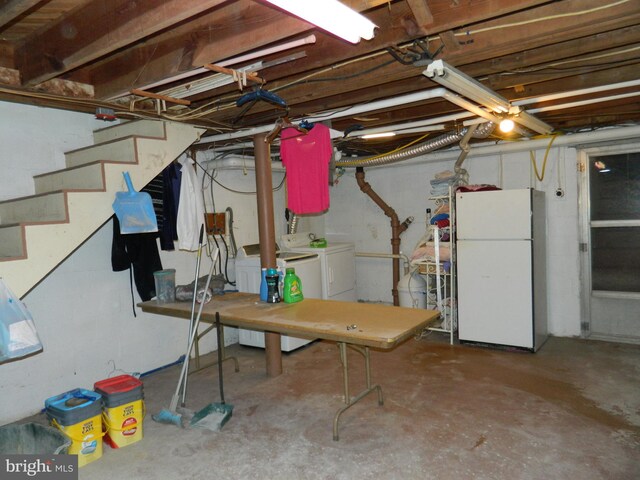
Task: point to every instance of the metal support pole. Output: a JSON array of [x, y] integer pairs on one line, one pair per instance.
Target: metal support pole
[[267, 235]]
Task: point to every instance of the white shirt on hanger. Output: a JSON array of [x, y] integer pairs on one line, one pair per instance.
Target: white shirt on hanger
[[190, 208]]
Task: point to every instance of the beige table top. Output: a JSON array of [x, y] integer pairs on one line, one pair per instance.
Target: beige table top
[[377, 326]]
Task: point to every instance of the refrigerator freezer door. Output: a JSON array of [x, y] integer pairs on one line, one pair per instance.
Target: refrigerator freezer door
[[495, 292], [494, 215]]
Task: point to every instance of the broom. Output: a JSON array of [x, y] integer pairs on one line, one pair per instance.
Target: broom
[[171, 415]]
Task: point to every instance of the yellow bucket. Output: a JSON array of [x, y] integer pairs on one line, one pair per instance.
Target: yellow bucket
[[77, 414], [123, 424], [86, 439], [123, 409]]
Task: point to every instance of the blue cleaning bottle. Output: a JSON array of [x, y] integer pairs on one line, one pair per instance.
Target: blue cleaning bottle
[[263, 286]]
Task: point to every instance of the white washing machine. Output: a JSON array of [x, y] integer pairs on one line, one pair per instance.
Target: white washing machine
[[249, 276], [337, 263]]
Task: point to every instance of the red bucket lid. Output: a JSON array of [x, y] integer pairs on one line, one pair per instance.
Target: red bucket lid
[[119, 384]]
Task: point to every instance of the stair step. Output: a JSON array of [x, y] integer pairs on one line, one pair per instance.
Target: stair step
[[84, 177], [48, 207], [11, 242], [143, 128], [122, 150]]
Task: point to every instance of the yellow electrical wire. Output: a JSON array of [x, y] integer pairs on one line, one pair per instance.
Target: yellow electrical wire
[[532, 155]]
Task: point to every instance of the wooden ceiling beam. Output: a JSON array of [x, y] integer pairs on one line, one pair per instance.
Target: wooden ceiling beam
[[97, 29], [539, 27], [577, 81], [422, 14], [234, 30], [436, 16], [486, 46], [12, 9], [583, 46]]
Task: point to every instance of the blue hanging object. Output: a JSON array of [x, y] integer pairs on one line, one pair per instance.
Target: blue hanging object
[[306, 125], [261, 94], [134, 210]]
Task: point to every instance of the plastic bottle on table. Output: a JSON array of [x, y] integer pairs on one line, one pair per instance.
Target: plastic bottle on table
[[273, 292], [292, 291], [263, 285]]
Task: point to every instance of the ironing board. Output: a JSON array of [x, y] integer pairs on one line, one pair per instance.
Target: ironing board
[[359, 326]]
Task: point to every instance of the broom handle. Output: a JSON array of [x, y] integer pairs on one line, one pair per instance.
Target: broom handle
[[220, 382], [194, 333], [193, 311]]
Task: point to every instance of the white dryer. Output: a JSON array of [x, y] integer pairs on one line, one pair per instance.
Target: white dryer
[[337, 264]]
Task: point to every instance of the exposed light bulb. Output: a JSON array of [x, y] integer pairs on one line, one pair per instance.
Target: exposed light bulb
[[507, 125]]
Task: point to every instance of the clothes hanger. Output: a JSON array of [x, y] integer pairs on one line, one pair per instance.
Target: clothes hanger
[[282, 123]]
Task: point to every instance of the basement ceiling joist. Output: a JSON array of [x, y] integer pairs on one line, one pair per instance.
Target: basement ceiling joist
[[519, 48]]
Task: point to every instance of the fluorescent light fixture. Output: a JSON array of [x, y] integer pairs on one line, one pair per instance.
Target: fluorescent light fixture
[[332, 16], [397, 129], [532, 123], [463, 84], [468, 87], [379, 135]]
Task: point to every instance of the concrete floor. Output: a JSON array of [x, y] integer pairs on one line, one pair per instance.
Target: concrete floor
[[570, 411]]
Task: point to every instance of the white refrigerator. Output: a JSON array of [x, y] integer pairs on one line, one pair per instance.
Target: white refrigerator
[[501, 267]]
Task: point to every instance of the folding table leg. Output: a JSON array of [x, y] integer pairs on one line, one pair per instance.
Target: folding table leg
[[345, 377]]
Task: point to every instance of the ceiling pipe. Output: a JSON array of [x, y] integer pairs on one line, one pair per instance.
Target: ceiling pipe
[[396, 229], [575, 93], [364, 108]]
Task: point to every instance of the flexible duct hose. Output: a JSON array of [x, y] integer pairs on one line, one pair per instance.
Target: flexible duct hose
[[437, 143], [293, 224]]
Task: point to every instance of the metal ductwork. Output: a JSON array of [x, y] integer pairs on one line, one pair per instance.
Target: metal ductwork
[[437, 143]]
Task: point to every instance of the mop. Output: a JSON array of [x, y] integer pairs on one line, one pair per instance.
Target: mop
[[172, 415]]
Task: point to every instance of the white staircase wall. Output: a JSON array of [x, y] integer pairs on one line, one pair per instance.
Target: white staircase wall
[[82, 310], [49, 244]]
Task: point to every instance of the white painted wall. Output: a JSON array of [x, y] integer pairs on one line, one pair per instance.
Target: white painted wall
[[82, 310], [406, 188]]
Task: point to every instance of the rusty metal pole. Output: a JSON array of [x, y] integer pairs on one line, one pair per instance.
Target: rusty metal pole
[[267, 235]]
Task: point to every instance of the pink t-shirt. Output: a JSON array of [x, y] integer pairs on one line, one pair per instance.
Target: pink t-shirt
[[306, 158]]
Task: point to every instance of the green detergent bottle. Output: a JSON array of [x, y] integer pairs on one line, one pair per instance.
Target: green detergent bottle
[[292, 287]]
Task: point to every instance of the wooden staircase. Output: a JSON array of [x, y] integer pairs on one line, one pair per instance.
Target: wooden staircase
[[38, 232]]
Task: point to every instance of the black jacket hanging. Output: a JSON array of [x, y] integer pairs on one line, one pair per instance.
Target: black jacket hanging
[[140, 252]]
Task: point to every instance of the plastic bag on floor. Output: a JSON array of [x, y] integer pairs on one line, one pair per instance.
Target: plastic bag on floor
[[184, 293], [18, 336]]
